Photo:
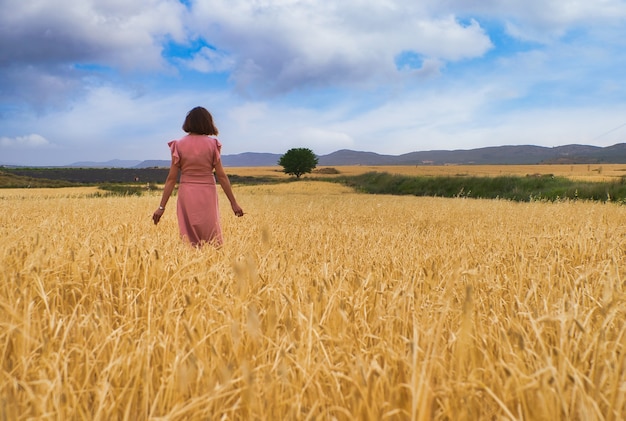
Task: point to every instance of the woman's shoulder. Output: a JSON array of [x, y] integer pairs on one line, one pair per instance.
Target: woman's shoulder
[[179, 140], [183, 138], [217, 142], [193, 139]]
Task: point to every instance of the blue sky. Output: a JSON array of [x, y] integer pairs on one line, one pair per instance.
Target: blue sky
[[111, 79]]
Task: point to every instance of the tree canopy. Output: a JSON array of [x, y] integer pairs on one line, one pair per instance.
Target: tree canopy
[[298, 161]]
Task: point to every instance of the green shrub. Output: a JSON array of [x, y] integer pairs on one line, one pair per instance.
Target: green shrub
[[123, 189], [528, 188]]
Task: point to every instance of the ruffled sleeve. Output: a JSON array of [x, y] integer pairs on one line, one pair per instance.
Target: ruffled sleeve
[[218, 151], [175, 155]]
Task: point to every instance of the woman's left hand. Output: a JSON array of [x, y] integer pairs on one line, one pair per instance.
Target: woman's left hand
[[237, 209]]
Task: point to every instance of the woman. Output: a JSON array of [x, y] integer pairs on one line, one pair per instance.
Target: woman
[[196, 156]]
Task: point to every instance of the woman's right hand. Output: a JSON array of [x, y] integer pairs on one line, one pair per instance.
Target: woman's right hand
[[156, 216]]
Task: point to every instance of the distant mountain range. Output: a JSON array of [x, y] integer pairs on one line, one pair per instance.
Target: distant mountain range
[[114, 163], [503, 155]]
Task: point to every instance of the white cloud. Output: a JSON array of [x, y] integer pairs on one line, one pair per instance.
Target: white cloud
[[249, 115], [208, 60], [321, 139], [446, 39], [31, 141], [282, 46], [51, 49], [122, 33], [112, 33], [539, 20]]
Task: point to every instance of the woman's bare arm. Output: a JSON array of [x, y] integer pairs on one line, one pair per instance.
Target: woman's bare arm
[[222, 178], [170, 183]]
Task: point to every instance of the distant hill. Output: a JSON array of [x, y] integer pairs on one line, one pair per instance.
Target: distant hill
[[349, 157], [251, 159], [246, 159], [503, 155], [114, 163], [153, 163]]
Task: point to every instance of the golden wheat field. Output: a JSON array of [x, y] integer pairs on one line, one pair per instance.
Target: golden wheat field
[[323, 304]]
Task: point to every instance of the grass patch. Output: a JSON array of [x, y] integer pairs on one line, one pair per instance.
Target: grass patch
[[114, 189], [523, 189], [249, 180]]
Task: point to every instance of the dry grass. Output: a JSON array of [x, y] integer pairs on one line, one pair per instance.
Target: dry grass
[[46, 193], [323, 304]]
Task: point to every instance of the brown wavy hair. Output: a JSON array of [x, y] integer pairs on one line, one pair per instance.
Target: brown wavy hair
[[200, 121]]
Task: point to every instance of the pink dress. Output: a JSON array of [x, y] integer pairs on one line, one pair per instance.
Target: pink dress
[[197, 208]]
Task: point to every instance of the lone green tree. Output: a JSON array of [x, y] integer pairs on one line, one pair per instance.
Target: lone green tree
[[298, 161]]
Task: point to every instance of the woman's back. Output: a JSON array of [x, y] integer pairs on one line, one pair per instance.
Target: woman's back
[[196, 155]]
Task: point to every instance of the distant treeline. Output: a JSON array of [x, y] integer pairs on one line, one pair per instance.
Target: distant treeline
[[113, 180], [93, 175]]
